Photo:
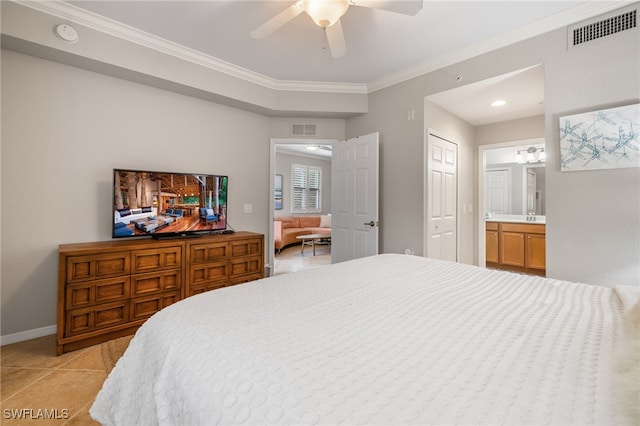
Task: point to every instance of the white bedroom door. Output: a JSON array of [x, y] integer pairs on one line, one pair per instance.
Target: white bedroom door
[[441, 236], [354, 198]]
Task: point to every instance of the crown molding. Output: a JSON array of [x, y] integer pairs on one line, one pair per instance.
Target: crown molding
[[570, 16], [71, 13], [313, 86]]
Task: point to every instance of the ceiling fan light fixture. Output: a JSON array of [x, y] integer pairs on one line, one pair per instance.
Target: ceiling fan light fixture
[[325, 13]]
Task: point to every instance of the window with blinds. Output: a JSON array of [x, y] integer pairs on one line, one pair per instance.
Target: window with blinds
[[306, 189]]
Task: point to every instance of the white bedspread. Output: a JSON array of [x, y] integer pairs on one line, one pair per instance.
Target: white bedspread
[[390, 339]]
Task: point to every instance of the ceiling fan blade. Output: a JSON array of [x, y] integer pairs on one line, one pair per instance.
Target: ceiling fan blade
[[335, 38], [277, 21], [406, 7]]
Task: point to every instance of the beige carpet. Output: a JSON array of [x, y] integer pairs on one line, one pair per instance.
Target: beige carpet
[[113, 350]]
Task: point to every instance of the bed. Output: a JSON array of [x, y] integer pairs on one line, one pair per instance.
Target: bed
[[388, 339]]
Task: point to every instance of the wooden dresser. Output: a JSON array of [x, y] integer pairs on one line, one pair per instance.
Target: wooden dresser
[[108, 289]]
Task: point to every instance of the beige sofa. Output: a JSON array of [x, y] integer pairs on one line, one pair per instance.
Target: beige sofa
[[287, 228]]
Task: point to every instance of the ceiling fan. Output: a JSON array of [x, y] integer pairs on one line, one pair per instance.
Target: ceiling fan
[[317, 147], [327, 13]]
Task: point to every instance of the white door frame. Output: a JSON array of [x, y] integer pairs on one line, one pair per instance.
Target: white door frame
[[425, 189], [525, 187], [482, 165], [272, 171]]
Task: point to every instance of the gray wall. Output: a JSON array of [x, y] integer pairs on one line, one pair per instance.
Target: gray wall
[[401, 165], [587, 239], [509, 131], [593, 217], [64, 130]]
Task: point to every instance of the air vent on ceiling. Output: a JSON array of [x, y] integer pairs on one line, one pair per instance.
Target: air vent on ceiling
[[303, 129], [586, 32]]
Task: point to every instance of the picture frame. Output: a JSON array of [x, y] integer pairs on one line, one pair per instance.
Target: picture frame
[[603, 139], [278, 192]]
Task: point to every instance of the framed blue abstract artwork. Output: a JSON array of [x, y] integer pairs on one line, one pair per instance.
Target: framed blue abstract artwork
[[605, 139]]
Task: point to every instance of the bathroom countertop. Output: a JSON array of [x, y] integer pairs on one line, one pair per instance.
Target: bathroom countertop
[[517, 218]]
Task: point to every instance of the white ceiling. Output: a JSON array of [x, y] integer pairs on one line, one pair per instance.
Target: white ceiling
[[301, 149], [381, 45]]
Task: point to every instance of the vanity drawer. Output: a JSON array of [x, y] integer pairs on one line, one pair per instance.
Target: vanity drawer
[[492, 226], [522, 227]]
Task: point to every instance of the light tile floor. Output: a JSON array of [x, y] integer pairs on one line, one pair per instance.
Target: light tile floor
[[291, 258], [45, 389]]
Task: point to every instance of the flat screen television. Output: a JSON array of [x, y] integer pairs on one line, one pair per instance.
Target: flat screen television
[[167, 204]]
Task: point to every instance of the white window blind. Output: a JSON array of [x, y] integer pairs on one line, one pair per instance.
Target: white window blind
[[306, 189]]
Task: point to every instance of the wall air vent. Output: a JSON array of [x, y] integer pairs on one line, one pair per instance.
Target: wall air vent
[[298, 129], [586, 32]]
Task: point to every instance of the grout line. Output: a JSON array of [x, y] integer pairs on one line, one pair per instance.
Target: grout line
[[90, 403], [30, 383], [80, 352]]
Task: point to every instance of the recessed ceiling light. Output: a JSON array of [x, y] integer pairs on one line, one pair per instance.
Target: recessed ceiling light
[[498, 103]]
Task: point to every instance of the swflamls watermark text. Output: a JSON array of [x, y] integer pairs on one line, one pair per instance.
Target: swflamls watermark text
[[35, 413]]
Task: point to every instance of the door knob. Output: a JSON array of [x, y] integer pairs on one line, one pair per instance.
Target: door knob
[[372, 223]]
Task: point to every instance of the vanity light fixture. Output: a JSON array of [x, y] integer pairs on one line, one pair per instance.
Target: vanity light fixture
[[519, 158], [542, 156], [531, 155]]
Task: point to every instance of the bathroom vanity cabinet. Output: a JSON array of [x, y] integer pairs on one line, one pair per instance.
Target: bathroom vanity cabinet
[[517, 247]]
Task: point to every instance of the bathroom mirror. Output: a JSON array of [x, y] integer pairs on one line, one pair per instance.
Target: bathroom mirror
[[515, 180]]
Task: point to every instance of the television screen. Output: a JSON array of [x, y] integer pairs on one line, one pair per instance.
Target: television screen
[[157, 204]]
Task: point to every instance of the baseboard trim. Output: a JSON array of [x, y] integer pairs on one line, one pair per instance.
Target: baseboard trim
[[27, 335]]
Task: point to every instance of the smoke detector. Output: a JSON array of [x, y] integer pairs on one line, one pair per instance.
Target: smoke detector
[[67, 33]]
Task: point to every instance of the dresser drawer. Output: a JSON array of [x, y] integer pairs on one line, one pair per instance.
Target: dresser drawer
[[247, 247], [93, 267], [156, 259], [203, 274], [245, 265], [96, 317], [99, 291], [203, 253], [144, 307], [155, 282]]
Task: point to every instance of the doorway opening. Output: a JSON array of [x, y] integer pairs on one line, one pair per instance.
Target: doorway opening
[[285, 156], [518, 195]]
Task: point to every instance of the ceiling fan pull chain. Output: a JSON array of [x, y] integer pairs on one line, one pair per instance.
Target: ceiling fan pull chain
[[325, 40]]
